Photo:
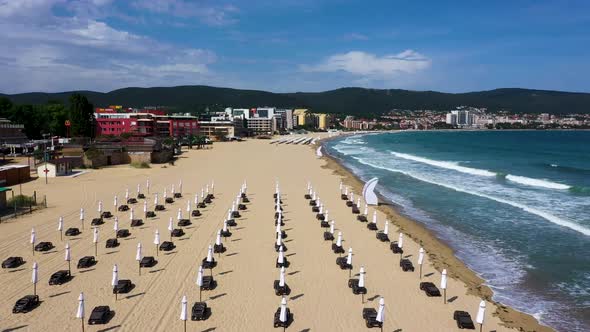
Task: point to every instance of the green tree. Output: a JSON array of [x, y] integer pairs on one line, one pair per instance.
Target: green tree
[[81, 116], [5, 106]]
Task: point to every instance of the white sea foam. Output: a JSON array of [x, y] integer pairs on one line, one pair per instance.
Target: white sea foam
[[547, 216], [536, 182], [444, 164], [481, 172]]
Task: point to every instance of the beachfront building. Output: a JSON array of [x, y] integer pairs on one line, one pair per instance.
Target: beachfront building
[[320, 121], [460, 117], [284, 118], [351, 123], [145, 123], [261, 126], [217, 129], [301, 114]]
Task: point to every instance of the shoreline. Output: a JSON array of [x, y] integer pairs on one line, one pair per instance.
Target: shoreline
[[441, 255]]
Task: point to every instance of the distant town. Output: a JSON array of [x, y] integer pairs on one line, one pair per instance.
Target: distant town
[[88, 136]]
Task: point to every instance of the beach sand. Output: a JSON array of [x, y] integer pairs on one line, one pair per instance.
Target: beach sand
[[244, 299]]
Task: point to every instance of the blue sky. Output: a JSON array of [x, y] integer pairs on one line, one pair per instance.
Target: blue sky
[[294, 45]]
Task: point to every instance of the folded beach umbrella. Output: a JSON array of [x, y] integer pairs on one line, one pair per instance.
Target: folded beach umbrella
[[421, 260], [282, 277], [172, 190], [138, 256], [309, 191], [443, 283], [145, 208], [202, 193], [340, 186], [147, 185], [35, 277], [229, 217], [126, 194], [155, 199], [213, 186], [283, 313], [366, 209], [349, 257], [207, 190], [339, 240], [95, 240], [60, 227], [80, 314], [233, 206], [314, 196], [374, 221], [358, 203], [116, 225], [400, 241], [115, 279], [278, 229], [326, 216], [99, 208], [138, 189], [200, 280], [281, 258], [351, 196], [481, 312], [196, 200], [157, 240], [210, 254], [362, 277], [321, 209], [68, 257], [225, 226], [183, 311], [82, 217], [33, 239], [386, 228], [279, 240], [380, 313], [188, 207], [332, 228], [115, 202], [180, 186], [346, 191], [218, 238], [361, 283], [165, 193], [179, 214], [170, 226]]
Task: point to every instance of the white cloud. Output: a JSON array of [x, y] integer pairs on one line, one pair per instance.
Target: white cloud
[[209, 12], [370, 65], [77, 52], [356, 36]]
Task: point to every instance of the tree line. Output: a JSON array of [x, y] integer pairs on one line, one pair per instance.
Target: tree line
[[50, 118]]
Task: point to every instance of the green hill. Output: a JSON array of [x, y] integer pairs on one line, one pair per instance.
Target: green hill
[[355, 101]]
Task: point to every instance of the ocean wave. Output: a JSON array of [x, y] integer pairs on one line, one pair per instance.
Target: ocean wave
[[545, 215], [567, 169], [536, 182], [444, 164], [482, 172]]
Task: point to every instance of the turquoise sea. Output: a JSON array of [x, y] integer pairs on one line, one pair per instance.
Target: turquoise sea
[[514, 205]]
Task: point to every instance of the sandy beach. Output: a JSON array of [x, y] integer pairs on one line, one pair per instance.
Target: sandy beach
[[244, 299]]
